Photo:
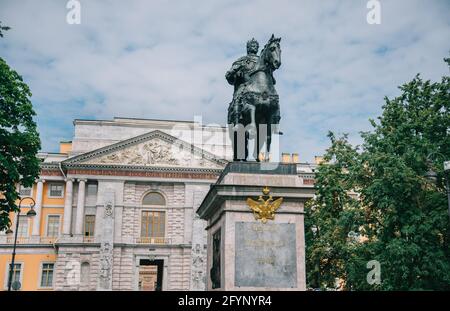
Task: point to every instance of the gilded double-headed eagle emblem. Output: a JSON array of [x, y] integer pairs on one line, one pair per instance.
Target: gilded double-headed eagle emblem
[[264, 208]]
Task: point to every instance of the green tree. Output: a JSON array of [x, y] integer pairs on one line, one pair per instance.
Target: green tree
[[334, 220], [402, 217], [19, 140]]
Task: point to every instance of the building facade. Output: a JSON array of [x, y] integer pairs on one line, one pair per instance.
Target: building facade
[[116, 208]]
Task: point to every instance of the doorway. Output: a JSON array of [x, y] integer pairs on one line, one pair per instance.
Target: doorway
[[150, 274]]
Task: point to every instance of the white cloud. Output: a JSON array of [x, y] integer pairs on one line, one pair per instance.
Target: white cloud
[[167, 59]]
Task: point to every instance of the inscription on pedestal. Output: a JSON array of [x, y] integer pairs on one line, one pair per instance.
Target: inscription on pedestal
[[265, 255]]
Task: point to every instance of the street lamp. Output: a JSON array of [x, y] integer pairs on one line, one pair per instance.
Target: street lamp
[[30, 213], [447, 183], [431, 175], [315, 230]]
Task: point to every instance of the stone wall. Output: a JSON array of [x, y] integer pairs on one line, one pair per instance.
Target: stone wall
[[174, 194], [68, 268], [199, 242], [179, 269], [123, 268], [184, 257]]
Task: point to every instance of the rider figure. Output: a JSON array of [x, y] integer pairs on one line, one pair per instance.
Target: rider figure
[[239, 74]]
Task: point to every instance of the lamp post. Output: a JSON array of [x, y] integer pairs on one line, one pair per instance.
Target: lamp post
[[315, 230], [447, 184], [432, 176], [30, 213]]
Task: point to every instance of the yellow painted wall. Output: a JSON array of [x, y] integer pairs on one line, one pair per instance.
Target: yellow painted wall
[[65, 147], [51, 201], [32, 263], [45, 199], [23, 212], [44, 212], [26, 202], [318, 160], [31, 269], [50, 211]]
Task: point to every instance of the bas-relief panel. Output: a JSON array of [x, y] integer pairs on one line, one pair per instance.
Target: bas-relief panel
[[154, 152]]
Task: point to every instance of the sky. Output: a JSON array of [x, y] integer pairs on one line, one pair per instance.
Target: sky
[[167, 60]]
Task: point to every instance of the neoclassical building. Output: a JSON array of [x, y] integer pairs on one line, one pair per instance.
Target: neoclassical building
[[116, 208]]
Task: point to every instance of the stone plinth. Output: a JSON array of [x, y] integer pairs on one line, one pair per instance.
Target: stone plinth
[[245, 253]]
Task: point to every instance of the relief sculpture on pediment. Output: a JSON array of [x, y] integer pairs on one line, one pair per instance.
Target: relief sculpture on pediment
[[149, 153], [155, 152]]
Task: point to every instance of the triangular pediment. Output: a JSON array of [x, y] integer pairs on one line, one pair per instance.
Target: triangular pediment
[[154, 149]]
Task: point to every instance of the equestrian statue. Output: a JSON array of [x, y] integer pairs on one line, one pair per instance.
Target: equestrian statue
[[254, 111]]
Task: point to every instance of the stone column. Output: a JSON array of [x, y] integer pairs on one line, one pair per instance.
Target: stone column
[[80, 207], [68, 207], [38, 207]]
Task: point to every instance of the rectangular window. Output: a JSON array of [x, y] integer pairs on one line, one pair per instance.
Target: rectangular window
[[17, 270], [22, 231], [153, 224], [89, 225], [53, 226], [47, 275], [91, 189], [56, 190], [25, 191]]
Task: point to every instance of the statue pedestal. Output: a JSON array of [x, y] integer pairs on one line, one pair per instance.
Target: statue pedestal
[[244, 252]]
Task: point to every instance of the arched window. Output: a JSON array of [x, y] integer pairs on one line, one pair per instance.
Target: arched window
[[153, 198], [153, 219]]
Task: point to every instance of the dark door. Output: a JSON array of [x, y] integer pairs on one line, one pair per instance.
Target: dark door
[[151, 274]]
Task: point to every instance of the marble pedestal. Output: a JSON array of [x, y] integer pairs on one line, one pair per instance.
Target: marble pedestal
[[244, 253]]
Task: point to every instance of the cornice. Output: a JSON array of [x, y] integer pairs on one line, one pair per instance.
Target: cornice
[[134, 168], [50, 166]]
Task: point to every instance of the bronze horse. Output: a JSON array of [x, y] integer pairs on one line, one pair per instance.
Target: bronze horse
[[257, 108]]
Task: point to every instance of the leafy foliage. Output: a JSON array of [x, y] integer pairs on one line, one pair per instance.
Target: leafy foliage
[[397, 216], [19, 140]]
